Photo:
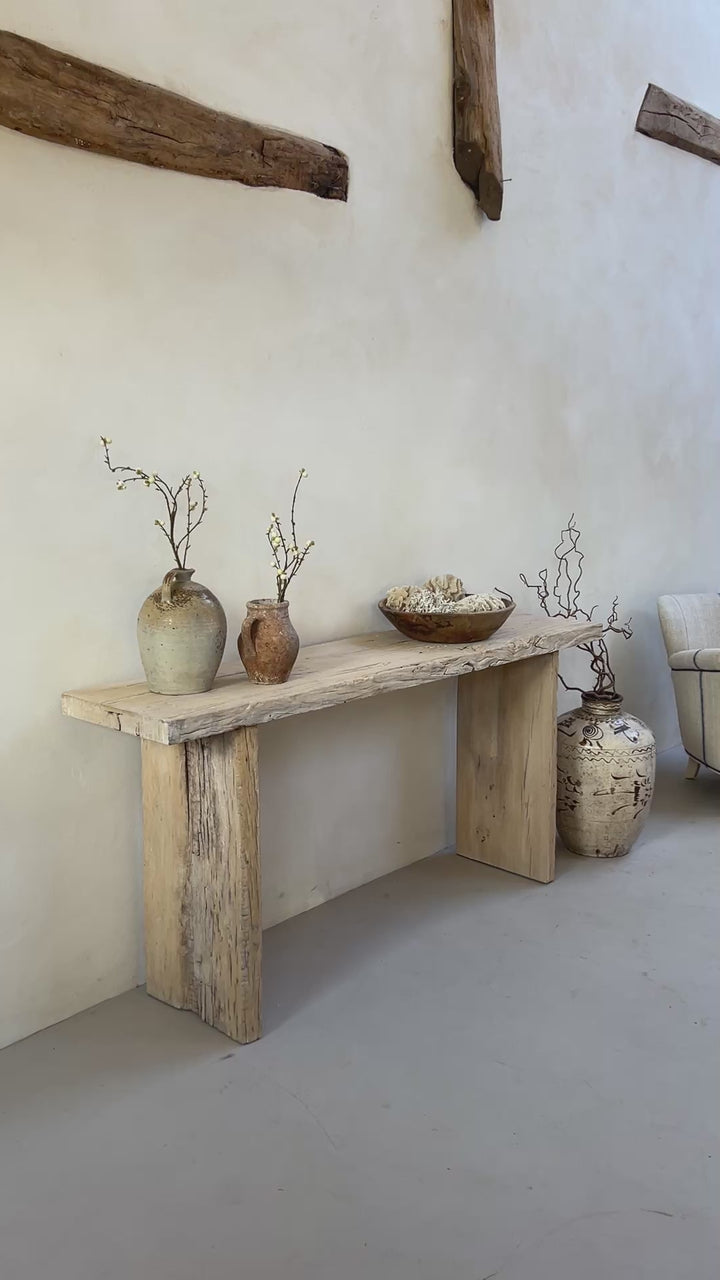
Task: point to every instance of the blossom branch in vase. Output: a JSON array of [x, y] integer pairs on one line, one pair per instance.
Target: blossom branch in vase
[[181, 502], [288, 556]]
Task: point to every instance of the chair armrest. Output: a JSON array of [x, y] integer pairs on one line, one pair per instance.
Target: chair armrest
[[695, 660]]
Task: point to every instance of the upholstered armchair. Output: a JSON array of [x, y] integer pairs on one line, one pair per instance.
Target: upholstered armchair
[[691, 631]]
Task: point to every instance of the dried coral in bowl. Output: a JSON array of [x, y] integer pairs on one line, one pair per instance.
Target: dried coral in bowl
[[442, 612]]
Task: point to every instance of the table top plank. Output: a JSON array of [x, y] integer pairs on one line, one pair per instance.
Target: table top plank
[[325, 675]]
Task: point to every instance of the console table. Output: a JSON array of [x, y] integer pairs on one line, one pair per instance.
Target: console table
[[200, 787]]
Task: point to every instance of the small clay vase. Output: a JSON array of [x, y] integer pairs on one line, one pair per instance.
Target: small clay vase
[[268, 643], [181, 635]]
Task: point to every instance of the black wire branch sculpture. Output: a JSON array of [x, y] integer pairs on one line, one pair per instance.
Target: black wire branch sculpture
[[562, 600]]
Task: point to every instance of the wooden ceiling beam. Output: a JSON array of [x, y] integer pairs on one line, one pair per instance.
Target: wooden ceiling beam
[[54, 96], [477, 140], [669, 119]]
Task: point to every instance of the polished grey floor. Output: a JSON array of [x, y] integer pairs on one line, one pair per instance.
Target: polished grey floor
[[464, 1076]]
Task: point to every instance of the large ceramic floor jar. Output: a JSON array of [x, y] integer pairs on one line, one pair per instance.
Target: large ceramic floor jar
[[606, 777]]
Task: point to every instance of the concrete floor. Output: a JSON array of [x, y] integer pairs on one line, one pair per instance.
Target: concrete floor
[[464, 1075]]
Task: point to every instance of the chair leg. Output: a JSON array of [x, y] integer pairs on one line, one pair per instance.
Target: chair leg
[[693, 768]]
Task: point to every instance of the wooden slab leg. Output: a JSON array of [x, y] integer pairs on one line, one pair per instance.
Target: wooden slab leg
[[693, 769], [506, 767], [202, 879]]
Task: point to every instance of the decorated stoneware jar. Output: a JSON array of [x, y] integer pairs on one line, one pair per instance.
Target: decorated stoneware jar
[[606, 777]]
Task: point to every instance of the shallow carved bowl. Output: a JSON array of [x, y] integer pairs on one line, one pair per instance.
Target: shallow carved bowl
[[448, 628]]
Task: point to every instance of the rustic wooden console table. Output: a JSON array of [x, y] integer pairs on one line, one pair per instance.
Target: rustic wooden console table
[[200, 788]]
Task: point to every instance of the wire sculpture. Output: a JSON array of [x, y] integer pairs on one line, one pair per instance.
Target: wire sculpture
[[561, 599]]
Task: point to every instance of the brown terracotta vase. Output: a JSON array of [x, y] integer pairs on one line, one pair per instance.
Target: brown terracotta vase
[[268, 643]]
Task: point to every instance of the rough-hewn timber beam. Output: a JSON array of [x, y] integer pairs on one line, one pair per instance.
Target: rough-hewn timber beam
[[680, 124], [478, 146], [54, 96]]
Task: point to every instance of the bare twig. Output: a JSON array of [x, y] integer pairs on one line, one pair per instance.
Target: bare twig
[[288, 558], [563, 601], [180, 503]]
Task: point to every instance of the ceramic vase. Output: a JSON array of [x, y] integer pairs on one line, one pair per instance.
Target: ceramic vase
[[181, 634], [606, 777], [268, 643]]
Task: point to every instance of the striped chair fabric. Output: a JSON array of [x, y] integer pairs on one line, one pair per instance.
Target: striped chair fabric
[[691, 631]]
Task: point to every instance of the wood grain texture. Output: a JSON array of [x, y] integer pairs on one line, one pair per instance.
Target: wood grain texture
[[477, 132], [669, 119], [166, 857], [203, 927], [325, 675], [60, 98], [506, 775], [224, 922]]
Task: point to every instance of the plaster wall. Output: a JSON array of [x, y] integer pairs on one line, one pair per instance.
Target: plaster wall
[[455, 389]]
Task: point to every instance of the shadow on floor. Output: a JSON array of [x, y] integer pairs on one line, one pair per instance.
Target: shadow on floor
[[679, 797], [133, 1035], [320, 949], [311, 953]]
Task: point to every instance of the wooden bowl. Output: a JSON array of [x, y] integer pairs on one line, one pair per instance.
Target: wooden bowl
[[448, 628]]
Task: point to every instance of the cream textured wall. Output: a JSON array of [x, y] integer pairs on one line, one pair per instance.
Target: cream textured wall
[[454, 388]]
